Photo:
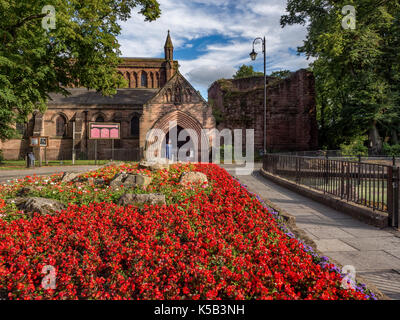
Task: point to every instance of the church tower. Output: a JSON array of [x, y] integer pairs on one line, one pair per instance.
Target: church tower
[[169, 49], [169, 58]]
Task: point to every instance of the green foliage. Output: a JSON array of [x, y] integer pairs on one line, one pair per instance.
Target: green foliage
[[1, 157], [282, 74], [225, 151], [356, 147], [246, 72], [391, 150], [218, 115], [82, 51], [357, 71]]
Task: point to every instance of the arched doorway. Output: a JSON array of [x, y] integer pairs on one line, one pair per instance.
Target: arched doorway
[[180, 125], [181, 143]]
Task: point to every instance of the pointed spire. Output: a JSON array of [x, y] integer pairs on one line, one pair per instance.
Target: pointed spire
[[168, 42], [169, 49]]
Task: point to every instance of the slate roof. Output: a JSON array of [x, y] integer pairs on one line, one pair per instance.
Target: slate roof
[[81, 96]]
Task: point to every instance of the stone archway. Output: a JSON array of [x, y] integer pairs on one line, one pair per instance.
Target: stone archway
[[179, 120]]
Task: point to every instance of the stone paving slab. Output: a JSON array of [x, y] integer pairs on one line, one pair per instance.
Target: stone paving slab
[[326, 245], [328, 213], [366, 231], [308, 219], [327, 232], [366, 260], [380, 243], [388, 281], [394, 252]]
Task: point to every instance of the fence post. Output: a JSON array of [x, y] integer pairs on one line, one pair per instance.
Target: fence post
[[347, 181], [341, 179], [326, 173], [396, 190], [297, 169]]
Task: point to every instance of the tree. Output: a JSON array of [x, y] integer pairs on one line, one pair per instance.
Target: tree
[[38, 57], [282, 74], [246, 72], [356, 70]]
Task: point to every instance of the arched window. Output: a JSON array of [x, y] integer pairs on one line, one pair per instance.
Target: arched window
[[157, 80], [135, 126], [134, 80], [168, 95], [61, 124], [152, 80], [128, 77], [144, 79], [188, 95], [100, 119]]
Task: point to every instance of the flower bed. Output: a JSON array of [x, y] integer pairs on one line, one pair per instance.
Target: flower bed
[[209, 242]]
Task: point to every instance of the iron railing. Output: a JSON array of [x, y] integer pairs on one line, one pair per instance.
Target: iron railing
[[65, 154], [374, 186]]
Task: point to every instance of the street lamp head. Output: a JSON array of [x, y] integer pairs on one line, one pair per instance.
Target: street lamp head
[[253, 55]]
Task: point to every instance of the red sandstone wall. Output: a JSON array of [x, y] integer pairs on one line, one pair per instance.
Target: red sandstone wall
[[291, 110]]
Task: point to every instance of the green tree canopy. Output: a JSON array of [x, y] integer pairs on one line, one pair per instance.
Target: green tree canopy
[[82, 50], [357, 71], [246, 72], [281, 74]]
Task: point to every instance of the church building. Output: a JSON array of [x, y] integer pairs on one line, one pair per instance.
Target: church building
[[157, 94]]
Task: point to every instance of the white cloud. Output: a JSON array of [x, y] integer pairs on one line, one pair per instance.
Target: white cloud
[[239, 21]]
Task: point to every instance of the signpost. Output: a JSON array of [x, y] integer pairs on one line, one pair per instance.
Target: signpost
[[39, 142], [104, 131]]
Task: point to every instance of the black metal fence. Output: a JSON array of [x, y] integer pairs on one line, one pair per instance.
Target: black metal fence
[[374, 186], [339, 155], [66, 154]]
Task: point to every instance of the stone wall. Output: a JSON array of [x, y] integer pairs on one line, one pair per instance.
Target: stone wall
[[60, 148], [177, 101], [291, 110], [157, 72]]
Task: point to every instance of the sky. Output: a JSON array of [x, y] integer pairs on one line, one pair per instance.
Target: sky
[[213, 38]]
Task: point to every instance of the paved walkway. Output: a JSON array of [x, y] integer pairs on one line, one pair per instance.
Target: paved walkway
[[375, 253], [42, 171]]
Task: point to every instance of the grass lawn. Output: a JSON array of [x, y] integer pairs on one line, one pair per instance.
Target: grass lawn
[[366, 191], [21, 164]]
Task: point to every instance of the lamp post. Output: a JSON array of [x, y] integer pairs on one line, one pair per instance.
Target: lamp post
[[253, 56]]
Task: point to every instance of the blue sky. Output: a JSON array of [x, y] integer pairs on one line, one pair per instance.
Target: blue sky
[[212, 38]]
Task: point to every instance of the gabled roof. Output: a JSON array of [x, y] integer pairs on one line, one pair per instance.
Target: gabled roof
[[82, 96], [170, 83]]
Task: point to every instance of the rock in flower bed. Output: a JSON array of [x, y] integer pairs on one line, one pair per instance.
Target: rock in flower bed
[[190, 178], [217, 242], [38, 205], [138, 199]]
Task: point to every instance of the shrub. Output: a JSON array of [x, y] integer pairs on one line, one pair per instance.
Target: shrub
[[393, 150], [355, 147], [1, 157]]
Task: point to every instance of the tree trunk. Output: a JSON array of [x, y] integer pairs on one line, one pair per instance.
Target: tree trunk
[[395, 139], [375, 140]]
